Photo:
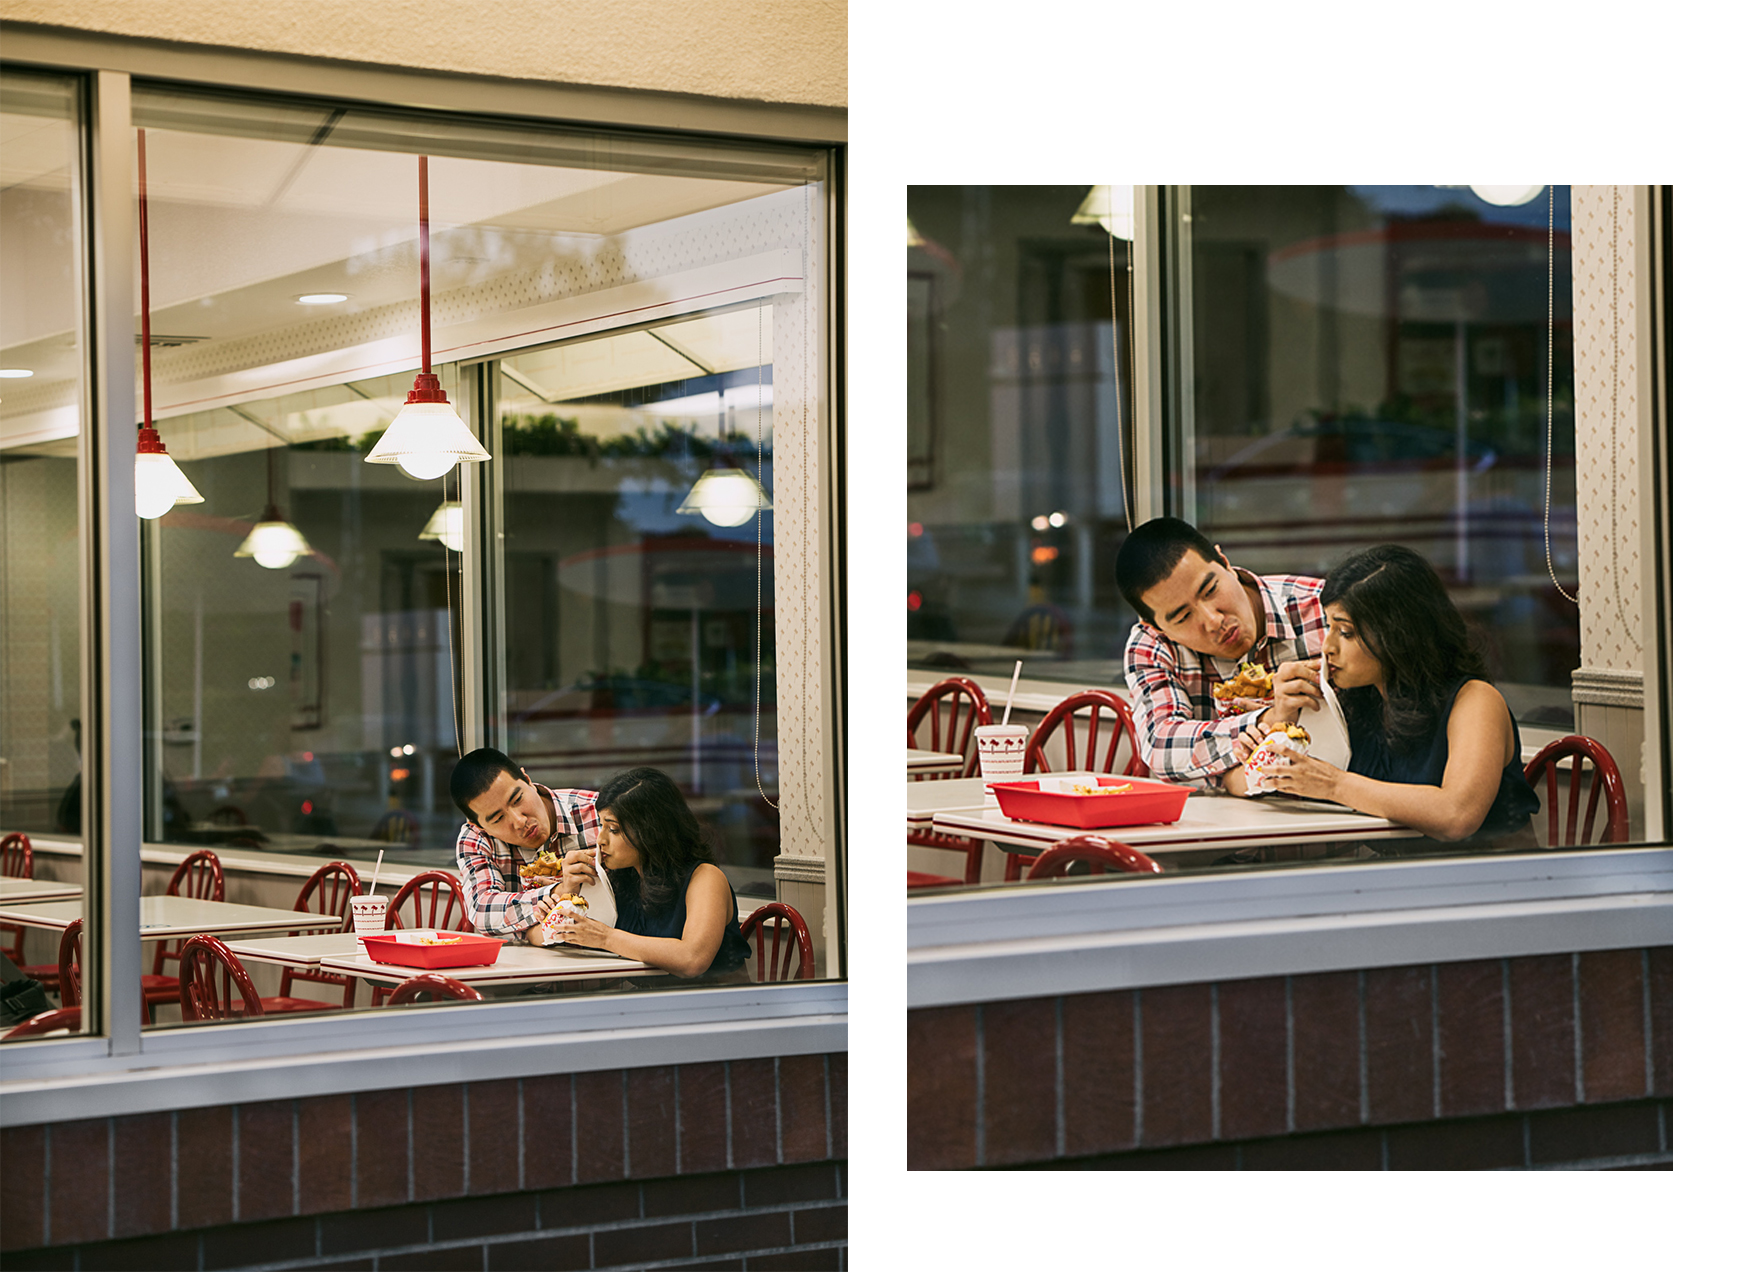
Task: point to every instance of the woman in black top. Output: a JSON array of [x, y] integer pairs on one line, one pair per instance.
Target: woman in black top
[[1434, 745], [675, 909]]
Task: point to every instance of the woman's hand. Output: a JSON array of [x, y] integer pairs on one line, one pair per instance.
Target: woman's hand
[[578, 869], [1306, 776], [585, 931]]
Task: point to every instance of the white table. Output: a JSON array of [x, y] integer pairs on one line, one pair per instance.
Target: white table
[[37, 890], [924, 800], [1211, 822], [918, 761], [301, 952], [166, 917], [515, 965]]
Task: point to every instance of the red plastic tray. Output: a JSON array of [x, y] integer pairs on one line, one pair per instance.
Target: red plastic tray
[[472, 951], [1144, 804]]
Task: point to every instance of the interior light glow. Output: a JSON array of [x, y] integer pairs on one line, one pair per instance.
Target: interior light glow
[[15, 373], [322, 298], [273, 542], [1508, 196], [447, 525], [158, 483], [1112, 208], [726, 496]]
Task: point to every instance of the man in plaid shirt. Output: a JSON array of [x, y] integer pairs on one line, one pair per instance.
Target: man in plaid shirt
[[508, 820], [1201, 618]]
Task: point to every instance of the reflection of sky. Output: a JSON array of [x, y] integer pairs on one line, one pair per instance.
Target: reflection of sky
[[1417, 200]]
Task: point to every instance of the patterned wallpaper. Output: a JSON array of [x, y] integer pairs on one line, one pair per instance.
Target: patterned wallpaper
[[1607, 271]]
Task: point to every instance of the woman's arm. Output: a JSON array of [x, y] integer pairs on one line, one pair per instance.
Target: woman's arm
[[708, 900], [1479, 735]]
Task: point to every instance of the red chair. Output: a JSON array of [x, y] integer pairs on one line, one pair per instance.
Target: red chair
[[1099, 706], [45, 1022], [432, 987], [330, 889], [943, 719], [1603, 771], [435, 900], [17, 861], [200, 875], [71, 974], [211, 979], [785, 925], [1097, 852]]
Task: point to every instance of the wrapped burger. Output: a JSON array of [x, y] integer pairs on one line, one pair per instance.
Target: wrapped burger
[[1275, 751]]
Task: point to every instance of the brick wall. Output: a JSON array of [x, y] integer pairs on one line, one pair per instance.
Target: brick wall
[[731, 1164], [1556, 1060]]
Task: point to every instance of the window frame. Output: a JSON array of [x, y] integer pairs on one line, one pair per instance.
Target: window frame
[[117, 1065]]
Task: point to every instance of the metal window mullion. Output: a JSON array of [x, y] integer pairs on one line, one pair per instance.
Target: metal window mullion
[[1147, 360], [109, 570], [481, 571]]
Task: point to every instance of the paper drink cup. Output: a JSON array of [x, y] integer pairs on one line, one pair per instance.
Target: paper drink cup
[[369, 916], [1002, 753]]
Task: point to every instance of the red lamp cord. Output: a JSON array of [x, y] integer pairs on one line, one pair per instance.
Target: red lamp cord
[[423, 233], [144, 281]]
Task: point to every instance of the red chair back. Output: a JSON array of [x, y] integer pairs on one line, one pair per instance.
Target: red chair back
[[432, 987], [212, 977], [328, 891], [45, 1022], [1604, 773], [1098, 852], [775, 924], [17, 861], [1101, 708], [72, 946], [943, 719], [432, 899], [199, 875]]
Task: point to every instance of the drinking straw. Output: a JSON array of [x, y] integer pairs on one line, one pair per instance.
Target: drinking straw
[[377, 874], [1013, 681]]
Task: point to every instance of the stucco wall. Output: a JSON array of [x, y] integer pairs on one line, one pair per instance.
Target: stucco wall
[[765, 50]]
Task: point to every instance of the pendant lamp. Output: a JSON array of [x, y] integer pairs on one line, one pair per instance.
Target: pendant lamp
[[273, 542], [158, 484], [1112, 208], [427, 437], [725, 494], [447, 525]]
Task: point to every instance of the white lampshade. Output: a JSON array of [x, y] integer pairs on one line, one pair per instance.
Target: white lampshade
[[273, 542], [448, 525], [1112, 208], [1508, 196], [159, 484], [726, 496], [427, 437]]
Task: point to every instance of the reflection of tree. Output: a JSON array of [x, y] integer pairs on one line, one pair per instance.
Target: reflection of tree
[[553, 435]]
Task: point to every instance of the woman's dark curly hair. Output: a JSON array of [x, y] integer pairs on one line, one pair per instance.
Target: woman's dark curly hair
[[1404, 617], [656, 819]]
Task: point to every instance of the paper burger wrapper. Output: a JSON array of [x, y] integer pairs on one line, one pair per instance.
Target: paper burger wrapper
[[1276, 751], [561, 917]]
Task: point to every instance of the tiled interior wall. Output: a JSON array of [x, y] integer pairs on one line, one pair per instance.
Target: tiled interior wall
[[1036, 1080], [203, 1172]]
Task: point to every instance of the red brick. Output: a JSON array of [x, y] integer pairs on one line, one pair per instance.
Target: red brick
[[1099, 1073], [633, 1247], [1192, 1157], [143, 1158], [1565, 1136], [598, 1099], [450, 1259], [23, 1209], [942, 1090], [243, 1245], [1360, 1149], [484, 1216], [204, 1179], [652, 1122], [78, 1184], [492, 1117], [813, 1181], [1020, 1081], [743, 1232], [437, 1142], [692, 1194], [560, 1254], [837, 1106], [169, 1250], [803, 1109], [754, 1114], [1253, 1058], [326, 1154], [266, 1183], [1398, 1043], [1610, 996], [1471, 1038], [1543, 1037], [1661, 1018], [591, 1204], [1177, 1098], [1476, 1143], [381, 1149], [1325, 1051], [349, 1230], [548, 1109], [701, 1119], [825, 1223]]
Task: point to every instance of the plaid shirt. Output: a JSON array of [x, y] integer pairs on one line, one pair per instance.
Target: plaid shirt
[[489, 869], [1178, 729]]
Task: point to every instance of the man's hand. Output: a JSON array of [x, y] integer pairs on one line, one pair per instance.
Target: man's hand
[[578, 869]]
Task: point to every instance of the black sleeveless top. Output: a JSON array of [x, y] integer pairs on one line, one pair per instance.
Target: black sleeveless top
[[632, 916], [1511, 808]]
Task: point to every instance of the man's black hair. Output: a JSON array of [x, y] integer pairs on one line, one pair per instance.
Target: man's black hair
[[475, 773], [1150, 554]]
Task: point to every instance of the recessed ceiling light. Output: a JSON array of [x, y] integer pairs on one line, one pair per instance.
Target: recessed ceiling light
[[15, 373], [322, 298]]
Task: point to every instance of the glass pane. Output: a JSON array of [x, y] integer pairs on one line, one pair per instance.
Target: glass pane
[[1018, 399], [42, 392], [1370, 367]]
